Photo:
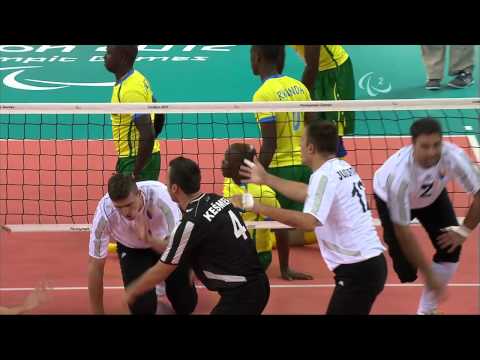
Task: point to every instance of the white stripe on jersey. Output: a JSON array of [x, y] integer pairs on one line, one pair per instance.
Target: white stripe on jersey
[[185, 237], [226, 278], [318, 197], [183, 241]]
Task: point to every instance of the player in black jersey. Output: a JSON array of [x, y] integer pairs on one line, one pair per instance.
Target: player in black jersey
[[213, 239]]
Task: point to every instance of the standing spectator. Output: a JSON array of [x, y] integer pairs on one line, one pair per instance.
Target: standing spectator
[[461, 65]]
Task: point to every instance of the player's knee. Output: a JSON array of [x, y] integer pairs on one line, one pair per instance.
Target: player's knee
[[444, 256], [183, 302], [406, 273]]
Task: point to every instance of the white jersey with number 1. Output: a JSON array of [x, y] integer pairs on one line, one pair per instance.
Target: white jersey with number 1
[[336, 197], [160, 212]]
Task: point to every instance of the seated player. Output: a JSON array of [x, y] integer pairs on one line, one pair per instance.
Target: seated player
[[264, 238], [32, 301], [37, 297], [140, 217], [213, 239]]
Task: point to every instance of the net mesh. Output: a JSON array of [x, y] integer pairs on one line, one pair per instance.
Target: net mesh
[[55, 159]]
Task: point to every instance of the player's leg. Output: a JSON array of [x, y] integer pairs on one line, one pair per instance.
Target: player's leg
[[434, 60], [461, 65], [248, 299], [133, 263], [286, 237], [265, 258], [435, 217], [337, 84], [181, 291], [406, 272], [151, 171], [461, 59], [357, 286]]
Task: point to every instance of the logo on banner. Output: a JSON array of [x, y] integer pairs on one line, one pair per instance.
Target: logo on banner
[[21, 66], [374, 85]]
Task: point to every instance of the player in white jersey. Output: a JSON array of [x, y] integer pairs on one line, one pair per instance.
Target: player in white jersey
[[411, 184], [140, 217], [336, 208]]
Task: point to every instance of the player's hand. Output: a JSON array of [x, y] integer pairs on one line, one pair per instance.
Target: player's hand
[[244, 201], [37, 297], [451, 238], [252, 172], [129, 297], [290, 275], [5, 228], [142, 228]]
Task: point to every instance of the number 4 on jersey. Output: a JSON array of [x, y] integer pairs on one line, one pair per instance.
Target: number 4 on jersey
[[238, 229]]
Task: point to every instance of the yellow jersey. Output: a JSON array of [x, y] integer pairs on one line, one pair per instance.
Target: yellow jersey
[[264, 238], [289, 126], [331, 56], [132, 88]]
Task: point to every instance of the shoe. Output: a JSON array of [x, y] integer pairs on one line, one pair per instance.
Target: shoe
[[432, 312], [462, 80], [433, 84]]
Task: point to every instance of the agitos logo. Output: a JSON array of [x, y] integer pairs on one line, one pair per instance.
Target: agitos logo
[[22, 58]]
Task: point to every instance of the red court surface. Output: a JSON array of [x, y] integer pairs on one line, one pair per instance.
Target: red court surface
[[61, 259]]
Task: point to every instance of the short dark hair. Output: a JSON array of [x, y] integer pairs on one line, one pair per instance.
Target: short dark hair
[[323, 135], [425, 126], [237, 153], [120, 186], [130, 51], [185, 173], [271, 53]]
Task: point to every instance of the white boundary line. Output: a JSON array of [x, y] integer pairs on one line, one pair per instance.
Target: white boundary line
[[278, 286]]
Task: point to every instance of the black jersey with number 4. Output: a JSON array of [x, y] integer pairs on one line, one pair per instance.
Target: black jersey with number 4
[[214, 240]]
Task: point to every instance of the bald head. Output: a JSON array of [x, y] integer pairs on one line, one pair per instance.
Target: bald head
[[234, 157]]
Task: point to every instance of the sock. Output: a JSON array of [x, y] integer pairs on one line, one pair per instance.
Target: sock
[[160, 289], [445, 272], [163, 308]]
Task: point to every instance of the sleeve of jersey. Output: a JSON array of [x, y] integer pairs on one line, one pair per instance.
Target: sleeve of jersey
[[467, 173], [99, 236], [135, 94], [263, 117], [181, 242], [321, 193], [398, 200]]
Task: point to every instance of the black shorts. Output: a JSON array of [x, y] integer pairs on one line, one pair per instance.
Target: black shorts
[[181, 292], [248, 299], [357, 286], [438, 215]]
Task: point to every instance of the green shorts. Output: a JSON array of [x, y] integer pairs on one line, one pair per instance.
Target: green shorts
[[265, 259], [151, 171], [337, 84], [300, 173]]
